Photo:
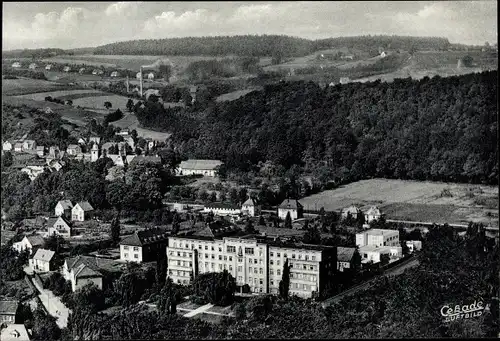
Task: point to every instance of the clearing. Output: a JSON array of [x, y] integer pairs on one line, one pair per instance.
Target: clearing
[[20, 86], [231, 96], [130, 121], [414, 200], [40, 96]]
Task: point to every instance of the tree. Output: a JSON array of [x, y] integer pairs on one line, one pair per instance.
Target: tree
[[7, 159], [249, 227], [467, 60], [176, 223], [54, 243], [115, 229], [161, 268], [404, 248], [312, 236], [284, 286], [384, 259], [213, 197], [215, 287], [262, 221], [108, 105], [130, 105], [203, 195], [44, 327], [288, 221]]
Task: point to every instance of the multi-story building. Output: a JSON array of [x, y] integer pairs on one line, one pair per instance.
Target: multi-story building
[[252, 260], [292, 207], [143, 246], [378, 237]]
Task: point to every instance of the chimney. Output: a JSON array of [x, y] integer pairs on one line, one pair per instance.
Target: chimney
[[127, 85], [141, 82]]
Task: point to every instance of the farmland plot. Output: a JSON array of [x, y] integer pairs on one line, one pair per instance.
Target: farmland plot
[[58, 94], [12, 87], [97, 102]]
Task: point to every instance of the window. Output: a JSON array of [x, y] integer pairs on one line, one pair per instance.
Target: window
[[125, 247], [190, 254], [293, 255], [220, 266], [206, 264], [300, 256], [312, 267], [125, 255], [271, 272], [213, 256], [240, 278], [271, 262], [230, 258], [178, 262], [206, 256], [190, 264], [230, 267], [277, 262], [261, 282], [313, 257], [307, 257], [199, 246], [178, 254], [304, 287], [231, 248], [240, 260], [220, 257], [183, 254], [170, 253], [250, 269], [261, 271], [255, 270], [136, 248], [271, 254], [212, 265], [206, 247], [220, 249], [305, 267], [278, 272], [225, 257], [213, 248], [136, 256], [239, 269], [249, 250], [250, 279], [272, 282], [255, 261], [284, 255], [178, 273]]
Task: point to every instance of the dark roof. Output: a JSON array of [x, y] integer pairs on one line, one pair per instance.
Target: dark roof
[[35, 240], [250, 202], [150, 236], [345, 254], [290, 204], [217, 229], [85, 205], [66, 204], [84, 270], [52, 220], [200, 164], [94, 263], [222, 205], [8, 307], [301, 246]]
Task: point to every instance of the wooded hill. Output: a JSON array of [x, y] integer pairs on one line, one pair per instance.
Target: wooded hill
[[442, 129], [265, 45]]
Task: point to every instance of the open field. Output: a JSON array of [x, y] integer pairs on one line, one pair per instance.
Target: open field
[[414, 200], [25, 86], [97, 102], [231, 96], [40, 96], [129, 120]]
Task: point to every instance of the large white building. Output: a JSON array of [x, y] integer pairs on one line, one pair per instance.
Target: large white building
[[292, 206], [252, 260], [222, 209], [376, 242], [143, 246], [199, 167], [250, 208]]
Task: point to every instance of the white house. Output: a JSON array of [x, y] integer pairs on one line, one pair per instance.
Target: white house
[[291, 206], [82, 270], [344, 80], [59, 226], [63, 208], [16, 65], [67, 69], [82, 211], [33, 171], [95, 72], [115, 74], [32, 66], [30, 243], [372, 214], [414, 245], [82, 70], [82, 141], [383, 54], [151, 76], [250, 208], [353, 210], [378, 237], [373, 253], [142, 246], [222, 209], [48, 67], [73, 149], [42, 261], [18, 147], [40, 151], [7, 146], [95, 139], [200, 167], [138, 75]]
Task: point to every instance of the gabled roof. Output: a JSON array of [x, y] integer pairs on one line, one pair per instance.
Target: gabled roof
[[35, 240], [345, 254], [40, 148], [52, 221], [91, 262], [373, 211], [290, 204], [200, 164], [217, 230], [149, 236], [73, 146], [351, 209], [250, 202], [8, 307], [45, 255], [66, 204], [84, 270], [85, 206]]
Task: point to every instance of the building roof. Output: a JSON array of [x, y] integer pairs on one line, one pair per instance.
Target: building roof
[[94, 263], [250, 202], [14, 332], [380, 232], [84, 270], [52, 221], [345, 254], [8, 307], [290, 204], [200, 164], [218, 205], [351, 209], [35, 240], [108, 145], [149, 236], [373, 210], [66, 204], [373, 248], [45, 255], [73, 146], [217, 229], [85, 206]]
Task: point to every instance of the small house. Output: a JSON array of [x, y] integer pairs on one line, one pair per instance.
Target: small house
[[82, 270], [67, 69], [32, 66], [16, 65], [138, 75], [199, 167], [59, 226], [8, 311], [63, 208], [353, 211], [82, 141], [373, 213], [48, 110], [18, 147], [73, 149], [344, 80], [82, 211], [250, 208], [95, 72], [48, 67], [43, 261], [142, 246], [222, 209], [414, 245], [95, 139], [7, 146], [33, 171], [81, 71], [115, 74], [292, 206], [29, 145], [151, 76], [40, 151], [30, 243], [345, 258], [383, 54]]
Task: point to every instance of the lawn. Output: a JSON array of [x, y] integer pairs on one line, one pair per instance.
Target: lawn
[[25, 86], [40, 96], [413, 200], [130, 121], [92, 102]]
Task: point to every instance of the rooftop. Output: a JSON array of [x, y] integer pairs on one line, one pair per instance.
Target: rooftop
[[14, 332], [290, 204], [66, 204], [45, 255], [35, 240], [380, 232], [372, 248], [222, 206], [85, 205], [8, 307], [149, 236], [345, 254], [200, 164]]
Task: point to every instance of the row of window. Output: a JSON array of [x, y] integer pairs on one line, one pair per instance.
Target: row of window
[[136, 256], [136, 248], [221, 266], [182, 263], [179, 273], [306, 257]]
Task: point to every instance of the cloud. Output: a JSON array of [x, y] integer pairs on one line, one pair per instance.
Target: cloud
[[53, 25], [123, 8], [189, 22]]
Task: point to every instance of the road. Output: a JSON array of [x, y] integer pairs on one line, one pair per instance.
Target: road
[[397, 270]]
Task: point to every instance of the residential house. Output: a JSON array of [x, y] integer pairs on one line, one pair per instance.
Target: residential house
[[138, 75], [82, 211], [95, 71], [95, 139], [48, 110], [40, 151], [143, 246], [414, 245], [94, 153], [16, 65], [115, 74], [55, 164], [67, 69], [222, 209], [150, 92], [373, 213], [54, 151], [30, 243], [48, 67], [63, 208], [81, 71], [29, 145], [292, 206], [42, 261], [130, 141], [150, 143], [345, 258], [14, 332], [33, 171], [18, 147], [59, 226], [85, 157], [151, 76], [32, 66], [105, 147], [352, 210], [73, 149], [7, 146], [129, 158], [145, 159], [347, 57], [82, 141], [117, 159], [82, 270], [383, 54], [100, 72], [373, 253], [250, 208], [199, 167], [9, 310]]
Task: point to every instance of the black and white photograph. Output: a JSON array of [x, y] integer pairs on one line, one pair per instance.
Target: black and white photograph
[[237, 170]]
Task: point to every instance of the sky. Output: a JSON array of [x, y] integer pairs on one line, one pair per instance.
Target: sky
[[90, 24]]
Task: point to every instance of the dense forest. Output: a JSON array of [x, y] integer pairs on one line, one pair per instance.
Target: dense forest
[[34, 53], [442, 129], [264, 45]]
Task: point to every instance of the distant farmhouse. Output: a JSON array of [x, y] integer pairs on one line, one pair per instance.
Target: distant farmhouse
[[200, 167]]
